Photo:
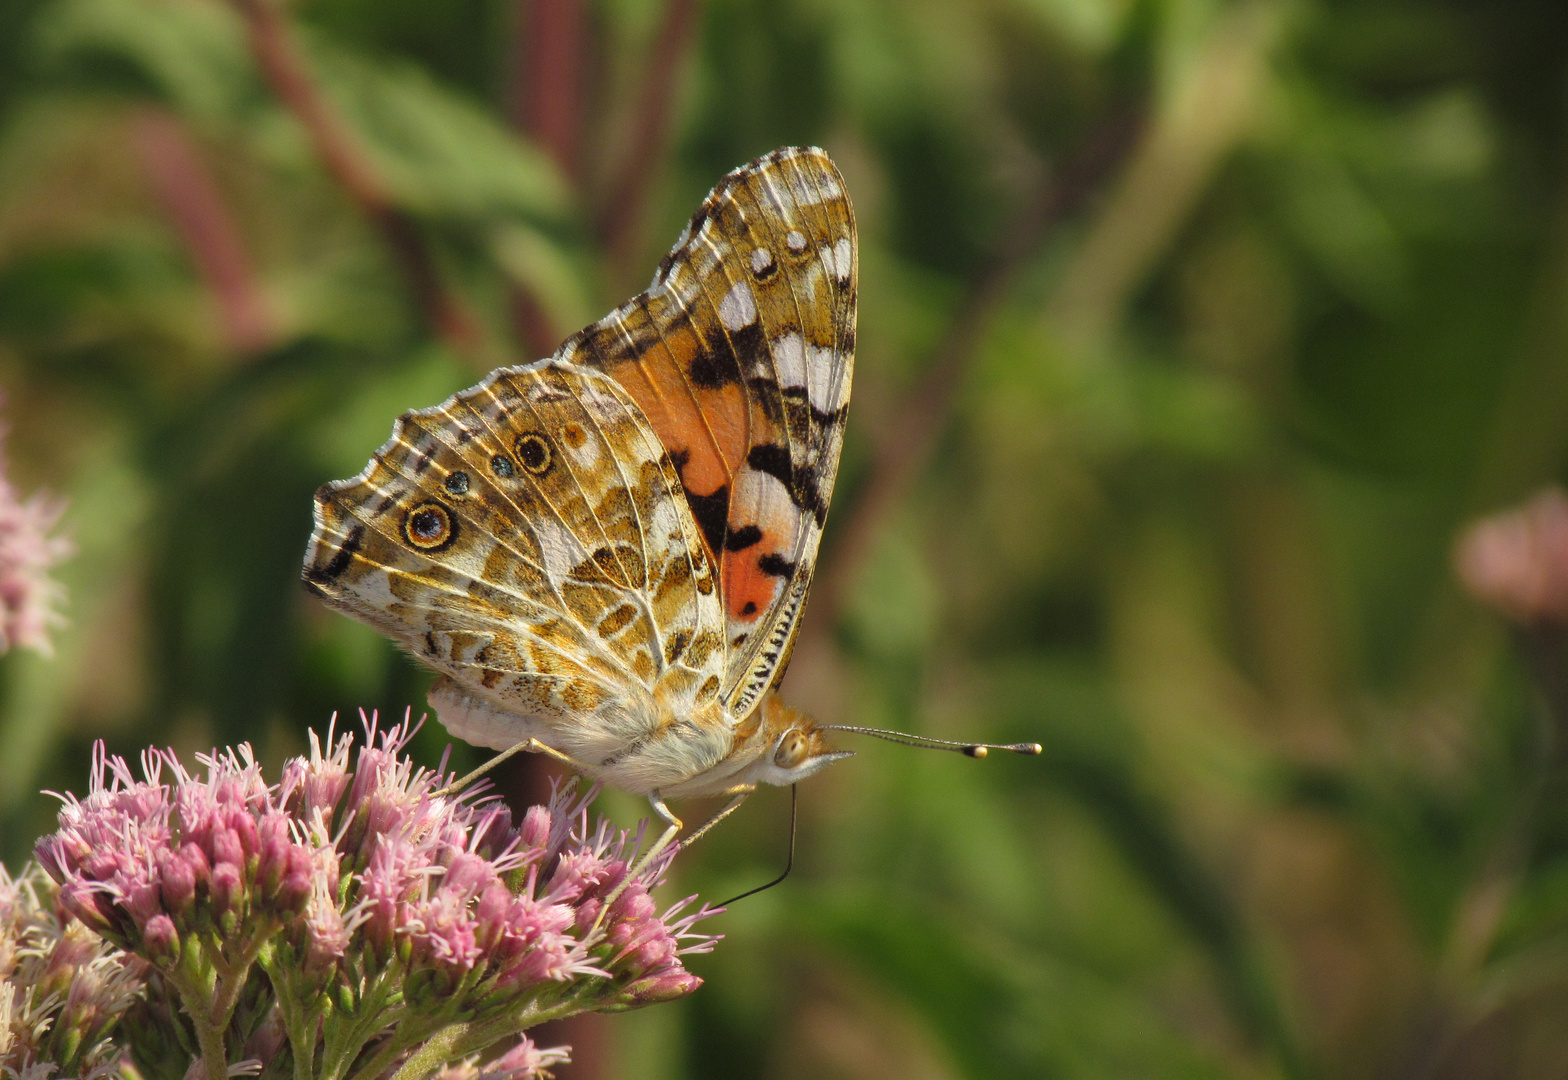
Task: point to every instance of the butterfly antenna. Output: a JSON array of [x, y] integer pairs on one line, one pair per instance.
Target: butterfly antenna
[[793, 801], [925, 742]]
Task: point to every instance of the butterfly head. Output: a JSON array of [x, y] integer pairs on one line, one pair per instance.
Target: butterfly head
[[793, 746]]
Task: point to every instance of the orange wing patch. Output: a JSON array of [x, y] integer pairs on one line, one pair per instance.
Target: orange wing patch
[[740, 354]]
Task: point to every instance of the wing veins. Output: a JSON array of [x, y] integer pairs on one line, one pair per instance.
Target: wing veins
[[641, 594], [503, 542]]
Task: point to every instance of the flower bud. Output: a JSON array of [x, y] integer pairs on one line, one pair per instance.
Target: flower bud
[[634, 903], [177, 878], [226, 887], [378, 925], [143, 900], [226, 848], [652, 954], [197, 860], [294, 890], [324, 789], [76, 949], [326, 938], [468, 874], [243, 825], [83, 901], [272, 861], [535, 832], [161, 941], [490, 915], [666, 986], [57, 855]]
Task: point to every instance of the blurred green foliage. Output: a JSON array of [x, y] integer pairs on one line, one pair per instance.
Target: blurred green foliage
[[1187, 520]]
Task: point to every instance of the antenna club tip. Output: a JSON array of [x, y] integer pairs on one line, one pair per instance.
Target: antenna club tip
[[975, 751], [1034, 749]]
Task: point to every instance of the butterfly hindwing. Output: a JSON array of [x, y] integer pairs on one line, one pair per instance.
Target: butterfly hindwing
[[529, 538], [740, 354]]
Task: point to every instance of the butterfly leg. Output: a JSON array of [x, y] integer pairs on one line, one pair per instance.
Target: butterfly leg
[[672, 827], [729, 808], [532, 746]]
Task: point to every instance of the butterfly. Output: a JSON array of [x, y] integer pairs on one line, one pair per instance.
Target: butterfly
[[605, 554]]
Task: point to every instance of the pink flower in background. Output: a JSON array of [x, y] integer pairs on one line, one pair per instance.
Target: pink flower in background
[[29, 597], [1517, 561], [397, 926]]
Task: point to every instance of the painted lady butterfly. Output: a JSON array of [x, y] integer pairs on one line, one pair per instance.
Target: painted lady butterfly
[[606, 553]]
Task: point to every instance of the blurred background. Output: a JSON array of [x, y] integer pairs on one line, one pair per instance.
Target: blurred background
[[1192, 334]]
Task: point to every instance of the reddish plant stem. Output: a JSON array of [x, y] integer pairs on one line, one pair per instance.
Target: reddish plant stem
[[623, 206], [904, 445], [548, 78], [278, 55], [547, 105], [185, 184]]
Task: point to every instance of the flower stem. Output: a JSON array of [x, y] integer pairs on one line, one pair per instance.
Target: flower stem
[[437, 1051], [396, 1045], [300, 1022], [379, 1008], [210, 989], [214, 1053]]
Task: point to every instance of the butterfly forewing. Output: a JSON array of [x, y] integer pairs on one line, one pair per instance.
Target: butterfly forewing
[[740, 354], [528, 538]]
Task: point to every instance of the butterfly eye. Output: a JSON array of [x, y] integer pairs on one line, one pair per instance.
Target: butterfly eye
[[792, 749], [534, 452], [457, 483], [501, 465], [428, 527]]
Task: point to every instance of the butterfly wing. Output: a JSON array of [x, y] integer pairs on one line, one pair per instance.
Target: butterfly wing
[[528, 538], [740, 354]]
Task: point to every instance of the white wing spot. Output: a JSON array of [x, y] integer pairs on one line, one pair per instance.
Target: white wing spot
[[789, 358], [823, 392], [807, 193], [738, 308], [843, 259], [585, 454], [761, 259], [796, 241]]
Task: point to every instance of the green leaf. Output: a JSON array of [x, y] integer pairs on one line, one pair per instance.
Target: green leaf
[[440, 154], [189, 54]]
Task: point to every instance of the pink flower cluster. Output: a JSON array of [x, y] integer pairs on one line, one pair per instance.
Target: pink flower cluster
[[406, 908]]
